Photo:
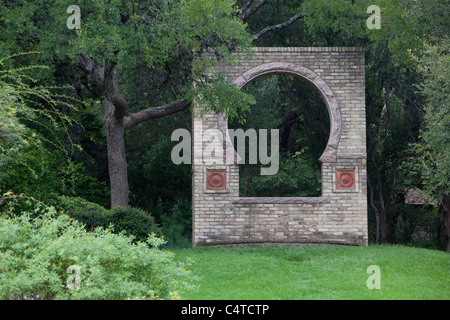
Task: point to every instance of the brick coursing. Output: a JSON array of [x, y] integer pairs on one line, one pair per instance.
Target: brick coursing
[[339, 216]]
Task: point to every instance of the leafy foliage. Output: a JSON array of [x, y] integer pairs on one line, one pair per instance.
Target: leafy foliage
[[292, 106], [176, 224], [133, 222], [222, 97], [154, 178], [183, 37], [12, 205], [35, 256], [36, 147], [435, 65], [339, 21], [296, 178]]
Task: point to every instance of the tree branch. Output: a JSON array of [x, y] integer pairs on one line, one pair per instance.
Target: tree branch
[[111, 92], [250, 8], [279, 26], [154, 112], [244, 8], [375, 209], [105, 80], [88, 66]]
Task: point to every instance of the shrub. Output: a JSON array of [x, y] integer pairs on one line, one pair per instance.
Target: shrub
[[132, 221], [90, 214], [306, 182], [64, 203], [35, 256], [12, 204], [177, 224]]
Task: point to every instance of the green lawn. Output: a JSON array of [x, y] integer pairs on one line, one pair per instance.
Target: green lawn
[[326, 272]]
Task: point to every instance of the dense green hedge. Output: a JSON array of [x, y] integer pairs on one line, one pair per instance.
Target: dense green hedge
[[131, 221]]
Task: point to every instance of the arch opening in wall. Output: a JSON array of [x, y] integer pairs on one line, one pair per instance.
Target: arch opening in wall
[[296, 109], [293, 70]]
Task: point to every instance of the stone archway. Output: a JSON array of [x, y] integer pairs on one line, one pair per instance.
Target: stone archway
[[316, 81], [339, 215]]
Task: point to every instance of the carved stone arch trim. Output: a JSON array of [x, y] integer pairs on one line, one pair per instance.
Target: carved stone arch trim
[[329, 154]]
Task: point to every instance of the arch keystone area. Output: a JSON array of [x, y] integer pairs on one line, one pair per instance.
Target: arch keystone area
[[317, 82], [339, 215]]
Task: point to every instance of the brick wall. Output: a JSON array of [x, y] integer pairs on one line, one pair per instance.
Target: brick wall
[[339, 215]]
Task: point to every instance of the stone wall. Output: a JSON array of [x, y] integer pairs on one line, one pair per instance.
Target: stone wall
[[339, 215]]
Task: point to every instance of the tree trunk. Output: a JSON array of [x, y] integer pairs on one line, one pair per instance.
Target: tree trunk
[[446, 207], [117, 163], [381, 213], [382, 227]]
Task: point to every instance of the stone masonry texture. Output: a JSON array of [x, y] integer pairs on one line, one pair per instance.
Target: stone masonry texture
[[339, 215]]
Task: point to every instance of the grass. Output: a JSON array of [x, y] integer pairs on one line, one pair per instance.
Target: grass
[[317, 273]]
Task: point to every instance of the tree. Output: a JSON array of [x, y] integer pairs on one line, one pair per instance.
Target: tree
[[182, 38], [394, 107], [161, 33], [434, 64], [407, 25], [175, 39], [35, 147]]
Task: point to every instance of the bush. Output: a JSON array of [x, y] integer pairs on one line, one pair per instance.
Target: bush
[[12, 205], [132, 221], [35, 256], [177, 224], [65, 204], [419, 226], [306, 182]]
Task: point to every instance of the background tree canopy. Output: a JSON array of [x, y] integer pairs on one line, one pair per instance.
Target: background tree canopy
[[126, 80]]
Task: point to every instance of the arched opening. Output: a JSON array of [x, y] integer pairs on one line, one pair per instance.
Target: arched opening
[[339, 215], [294, 107]]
